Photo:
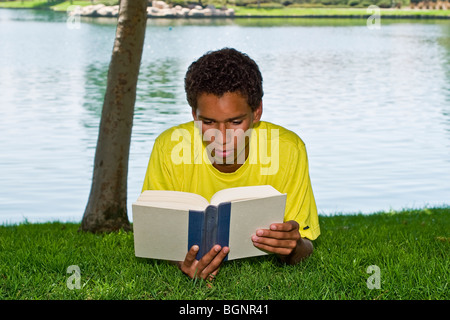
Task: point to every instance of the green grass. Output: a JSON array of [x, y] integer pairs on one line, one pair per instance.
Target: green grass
[[411, 248], [23, 4], [336, 12], [39, 4], [63, 6]]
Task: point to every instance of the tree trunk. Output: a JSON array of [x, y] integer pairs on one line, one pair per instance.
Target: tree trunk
[[106, 209]]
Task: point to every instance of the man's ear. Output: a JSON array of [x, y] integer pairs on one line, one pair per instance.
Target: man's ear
[[257, 113], [194, 114]]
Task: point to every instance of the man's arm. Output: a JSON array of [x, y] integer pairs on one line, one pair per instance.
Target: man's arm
[[285, 240]]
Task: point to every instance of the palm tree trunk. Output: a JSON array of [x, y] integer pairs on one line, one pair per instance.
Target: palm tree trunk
[[106, 209]]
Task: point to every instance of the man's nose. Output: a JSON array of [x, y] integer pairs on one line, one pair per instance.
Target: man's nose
[[223, 134]]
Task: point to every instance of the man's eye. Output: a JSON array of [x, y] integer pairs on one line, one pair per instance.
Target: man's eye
[[207, 122], [236, 122]]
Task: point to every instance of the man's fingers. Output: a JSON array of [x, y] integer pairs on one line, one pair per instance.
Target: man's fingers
[[281, 238], [287, 230], [290, 225], [274, 242], [214, 259], [280, 235], [190, 256], [272, 249], [208, 257], [207, 266]]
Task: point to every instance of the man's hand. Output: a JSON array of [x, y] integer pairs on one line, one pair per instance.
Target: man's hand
[[285, 240], [205, 268]]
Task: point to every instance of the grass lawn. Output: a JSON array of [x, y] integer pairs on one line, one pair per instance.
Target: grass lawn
[[410, 248], [39, 4], [336, 12]]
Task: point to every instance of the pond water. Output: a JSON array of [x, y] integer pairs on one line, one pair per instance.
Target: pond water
[[372, 105]]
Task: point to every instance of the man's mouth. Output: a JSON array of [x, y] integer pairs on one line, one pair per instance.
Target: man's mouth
[[222, 153]]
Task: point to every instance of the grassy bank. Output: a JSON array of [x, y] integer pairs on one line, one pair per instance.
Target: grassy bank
[[338, 12], [243, 11], [411, 249], [50, 5]]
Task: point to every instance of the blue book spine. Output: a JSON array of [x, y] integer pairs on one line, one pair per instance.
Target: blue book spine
[[223, 222], [208, 228], [195, 230]]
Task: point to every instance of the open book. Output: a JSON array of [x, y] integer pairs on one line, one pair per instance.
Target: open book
[[167, 223]]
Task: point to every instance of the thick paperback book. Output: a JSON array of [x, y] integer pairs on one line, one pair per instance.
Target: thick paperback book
[[167, 223]]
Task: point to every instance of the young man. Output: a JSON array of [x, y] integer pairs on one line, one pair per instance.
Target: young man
[[227, 146]]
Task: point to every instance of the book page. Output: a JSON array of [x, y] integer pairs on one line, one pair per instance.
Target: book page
[[243, 193], [160, 233], [172, 200], [247, 217]]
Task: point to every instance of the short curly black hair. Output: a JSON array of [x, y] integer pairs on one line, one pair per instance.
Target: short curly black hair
[[222, 71]]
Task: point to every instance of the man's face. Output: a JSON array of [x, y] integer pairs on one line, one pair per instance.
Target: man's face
[[224, 121]]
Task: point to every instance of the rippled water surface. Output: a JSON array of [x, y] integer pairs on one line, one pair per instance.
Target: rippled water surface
[[373, 106]]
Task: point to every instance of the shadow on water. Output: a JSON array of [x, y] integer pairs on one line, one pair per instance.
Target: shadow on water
[[158, 84], [95, 87], [160, 94], [39, 15]]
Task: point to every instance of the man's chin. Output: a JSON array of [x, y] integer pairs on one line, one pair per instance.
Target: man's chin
[[224, 161], [227, 157]]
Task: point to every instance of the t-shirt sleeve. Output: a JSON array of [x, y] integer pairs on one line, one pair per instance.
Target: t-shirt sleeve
[[300, 203], [158, 176]]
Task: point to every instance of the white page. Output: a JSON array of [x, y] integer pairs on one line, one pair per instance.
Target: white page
[[161, 234], [248, 216], [243, 193], [172, 199]]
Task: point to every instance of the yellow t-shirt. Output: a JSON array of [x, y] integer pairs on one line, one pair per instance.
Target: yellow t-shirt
[[277, 157]]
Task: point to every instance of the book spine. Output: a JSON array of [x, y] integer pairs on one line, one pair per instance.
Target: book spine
[[195, 230], [208, 228], [223, 223]]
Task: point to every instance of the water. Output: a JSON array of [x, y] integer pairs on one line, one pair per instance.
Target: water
[[373, 106]]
